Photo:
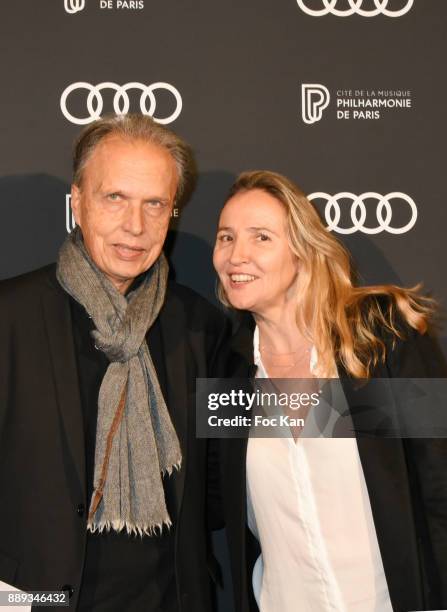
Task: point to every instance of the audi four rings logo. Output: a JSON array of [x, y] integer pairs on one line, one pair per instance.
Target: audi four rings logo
[[355, 7], [314, 99], [384, 213], [74, 6], [121, 102]]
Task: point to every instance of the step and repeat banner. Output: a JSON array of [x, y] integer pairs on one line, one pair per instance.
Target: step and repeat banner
[[346, 97]]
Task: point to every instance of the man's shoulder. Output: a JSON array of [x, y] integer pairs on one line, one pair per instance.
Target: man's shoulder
[[28, 286]]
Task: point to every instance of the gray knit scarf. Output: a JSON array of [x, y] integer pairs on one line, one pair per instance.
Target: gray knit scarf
[[135, 439]]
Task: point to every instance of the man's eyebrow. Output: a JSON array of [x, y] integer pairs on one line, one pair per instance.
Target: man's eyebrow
[[104, 189], [101, 188], [119, 192], [109, 188], [224, 227], [156, 197]]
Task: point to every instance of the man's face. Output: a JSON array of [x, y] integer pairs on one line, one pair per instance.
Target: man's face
[[124, 206]]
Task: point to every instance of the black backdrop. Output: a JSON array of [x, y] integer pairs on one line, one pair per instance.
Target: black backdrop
[[262, 84]]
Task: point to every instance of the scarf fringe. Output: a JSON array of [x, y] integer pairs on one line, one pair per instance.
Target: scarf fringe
[[131, 528], [176, 466]]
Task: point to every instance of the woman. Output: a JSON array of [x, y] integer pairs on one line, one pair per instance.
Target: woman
[[343, 524]]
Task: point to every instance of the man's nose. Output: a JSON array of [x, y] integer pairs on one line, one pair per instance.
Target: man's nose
[[239, 253], [133, 219]]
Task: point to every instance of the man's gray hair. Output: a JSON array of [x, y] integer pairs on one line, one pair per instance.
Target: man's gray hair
[[135, 127]]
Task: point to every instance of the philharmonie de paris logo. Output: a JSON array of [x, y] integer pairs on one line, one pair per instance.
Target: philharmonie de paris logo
[[314, 99], [353, 103], [74, 6], [363, 8]]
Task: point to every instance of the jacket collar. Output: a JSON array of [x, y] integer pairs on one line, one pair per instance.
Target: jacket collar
[[57, 316], [173, 329]]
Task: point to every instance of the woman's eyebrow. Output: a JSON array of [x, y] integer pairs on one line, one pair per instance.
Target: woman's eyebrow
[[261, 229]]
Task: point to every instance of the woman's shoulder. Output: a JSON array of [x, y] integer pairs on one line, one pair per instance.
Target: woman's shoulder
[[409, 352]]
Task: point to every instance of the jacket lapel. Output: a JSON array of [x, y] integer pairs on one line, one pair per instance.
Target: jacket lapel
[[234, 458], [386, 476], [57, 316], [173, 329]]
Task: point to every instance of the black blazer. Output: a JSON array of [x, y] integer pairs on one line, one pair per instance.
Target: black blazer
[[406, 481], [42, 455]]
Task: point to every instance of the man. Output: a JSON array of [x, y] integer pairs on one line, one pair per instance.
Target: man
[[102, 479]]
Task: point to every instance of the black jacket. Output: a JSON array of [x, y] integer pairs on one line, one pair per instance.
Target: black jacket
[[406, 481], [42, 455]]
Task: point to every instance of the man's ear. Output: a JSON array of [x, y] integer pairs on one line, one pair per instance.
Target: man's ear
[[76, 203]]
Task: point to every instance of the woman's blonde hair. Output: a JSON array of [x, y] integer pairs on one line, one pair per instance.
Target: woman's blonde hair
[[341, 319]]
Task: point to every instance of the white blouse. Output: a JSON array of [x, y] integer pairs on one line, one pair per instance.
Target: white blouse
[[308, 506]]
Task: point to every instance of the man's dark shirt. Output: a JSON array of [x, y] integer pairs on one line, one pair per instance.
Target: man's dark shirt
[[121, 571]]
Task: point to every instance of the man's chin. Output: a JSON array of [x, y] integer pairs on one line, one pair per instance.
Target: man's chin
[[129, 269], [123, 276]]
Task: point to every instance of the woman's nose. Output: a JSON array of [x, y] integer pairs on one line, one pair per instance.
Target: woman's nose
[[239, 253]]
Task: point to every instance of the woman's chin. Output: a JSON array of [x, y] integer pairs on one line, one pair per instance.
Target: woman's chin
[[241, 302]]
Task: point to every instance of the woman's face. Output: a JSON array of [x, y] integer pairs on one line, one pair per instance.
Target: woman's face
[[252, 255]]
